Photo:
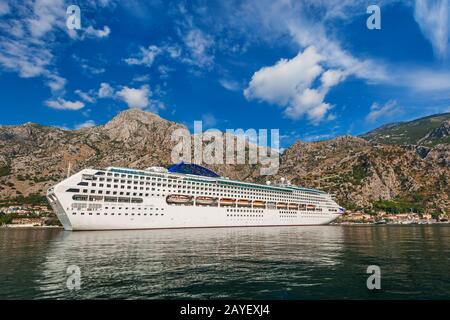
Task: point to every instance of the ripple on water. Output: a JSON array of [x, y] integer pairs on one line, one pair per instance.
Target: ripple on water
[[317, 262]]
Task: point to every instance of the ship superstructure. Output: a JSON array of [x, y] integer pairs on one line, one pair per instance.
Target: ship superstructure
[[185, 195]]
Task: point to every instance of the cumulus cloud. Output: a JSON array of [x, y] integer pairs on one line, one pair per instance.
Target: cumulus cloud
[[378, 111], [62, 104], [282, 81], [140, 97], [135, 97], [105, 91], [289, 83]]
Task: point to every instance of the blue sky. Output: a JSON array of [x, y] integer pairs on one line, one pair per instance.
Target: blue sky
[[310, 68]]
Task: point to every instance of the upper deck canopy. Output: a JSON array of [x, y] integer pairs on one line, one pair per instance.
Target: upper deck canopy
[[190, 168]]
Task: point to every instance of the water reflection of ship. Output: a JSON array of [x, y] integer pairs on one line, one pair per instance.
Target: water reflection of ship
[[166, 260]]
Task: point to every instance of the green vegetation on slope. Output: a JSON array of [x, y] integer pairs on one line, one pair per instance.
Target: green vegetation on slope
[[398, 206], [409, 132], [32, 199], [5, 171]]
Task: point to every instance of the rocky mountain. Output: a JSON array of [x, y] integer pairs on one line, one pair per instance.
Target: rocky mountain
[[428, 131], [34, 157], [361, 173]]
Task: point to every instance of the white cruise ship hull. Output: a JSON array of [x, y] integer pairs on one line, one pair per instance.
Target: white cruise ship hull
[[155, 213], [193, 217]]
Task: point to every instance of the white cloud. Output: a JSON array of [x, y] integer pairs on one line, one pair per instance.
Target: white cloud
[[318, 137], [433, 19], [30, 40], [26, 40], [422, 80], [45, 17], [27, 59], [105, 91], [196, 49], [135, 97], [331, 78], [230, 84], [56, 83], [86, 124], [273, 20], [199, 46], [289, 83], [282, 81], [146, 56], [4, 8], [307, 22], [141, 78], [165, 71], [62, 104], [174, 51], [378, 111], [98, 33], [85, 96]]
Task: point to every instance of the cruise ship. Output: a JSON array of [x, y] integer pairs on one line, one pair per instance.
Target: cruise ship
[[183, 196]]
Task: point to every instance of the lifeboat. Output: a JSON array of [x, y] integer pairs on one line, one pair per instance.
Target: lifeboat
[[281, 205], [259, 204], [310, 207], [293, 206], [205, 201], [178, 199], [227, 202], [244, 203]]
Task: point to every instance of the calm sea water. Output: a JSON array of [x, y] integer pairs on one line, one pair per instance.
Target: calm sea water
[[323, 262]]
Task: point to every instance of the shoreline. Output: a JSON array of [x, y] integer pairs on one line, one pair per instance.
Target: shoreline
[[25, 226], [345, 224]]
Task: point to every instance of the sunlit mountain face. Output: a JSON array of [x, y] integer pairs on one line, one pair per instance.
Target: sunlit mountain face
[[313, 69]]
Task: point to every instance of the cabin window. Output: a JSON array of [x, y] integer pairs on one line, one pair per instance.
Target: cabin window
[[79, 197]]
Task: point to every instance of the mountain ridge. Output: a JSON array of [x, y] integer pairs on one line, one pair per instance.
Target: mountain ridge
[[360, 172], [425, 131]]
